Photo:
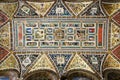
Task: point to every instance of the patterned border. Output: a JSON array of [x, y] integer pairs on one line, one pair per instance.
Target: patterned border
[[111, 46]]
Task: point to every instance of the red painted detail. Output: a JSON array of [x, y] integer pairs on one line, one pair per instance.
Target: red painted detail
[[20, 35], [100, 35], [117, 18], [116, 52], [3, 18], [3, 53]]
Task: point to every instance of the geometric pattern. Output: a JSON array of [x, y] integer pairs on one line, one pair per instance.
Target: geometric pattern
[[78, 63], [115, 35], [60, 60], [43, 63], [3, 18], [111, 8], [41, 8], [116, 18], [3, 53], [39, 34], [94, 11], [5, 35], [59, 9], [9, 8], [26, 11], [63, 27], [111, 63], [95, 60], [76, 8], [116, 52], [10, 63], [26, 60]]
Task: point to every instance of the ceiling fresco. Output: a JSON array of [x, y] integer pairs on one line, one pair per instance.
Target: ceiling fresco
[[59, 36]]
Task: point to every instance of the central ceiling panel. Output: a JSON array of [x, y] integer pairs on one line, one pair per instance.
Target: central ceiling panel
[[60, 34]]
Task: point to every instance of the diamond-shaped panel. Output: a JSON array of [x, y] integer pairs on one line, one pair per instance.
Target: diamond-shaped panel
[[116, 18], [3, 18], [116, 52], [3, 53]]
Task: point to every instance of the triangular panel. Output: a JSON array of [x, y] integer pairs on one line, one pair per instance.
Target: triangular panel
[[43, 63], [111, 8], [115, 32], [116, 52], [59, 10], [42, 7], [93, 11], [3, 53], [9, 8], [60, 60], [5, 35], [116, 17], [3, 18], [95, 60], [26, 11], [26, 61], [111, 63], [78, 7], [10, 63], [78, 63]]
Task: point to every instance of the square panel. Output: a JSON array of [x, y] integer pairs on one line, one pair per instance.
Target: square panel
[[70, 30], [49, 37], [28, 30], [80, 34], [49, 30], [91, 37], [39, 34], [70, 37], [91, 30]]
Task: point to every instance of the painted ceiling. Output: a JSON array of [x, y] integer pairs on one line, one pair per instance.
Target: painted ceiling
[[59, 35]]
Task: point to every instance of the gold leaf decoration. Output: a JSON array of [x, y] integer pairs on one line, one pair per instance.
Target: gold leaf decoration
[[9, 8], [78, 63], [5, 35], [9, 63], [111, 62], [42, 7], [111, 8], [43, 63], [78, 7], [115, 32]]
